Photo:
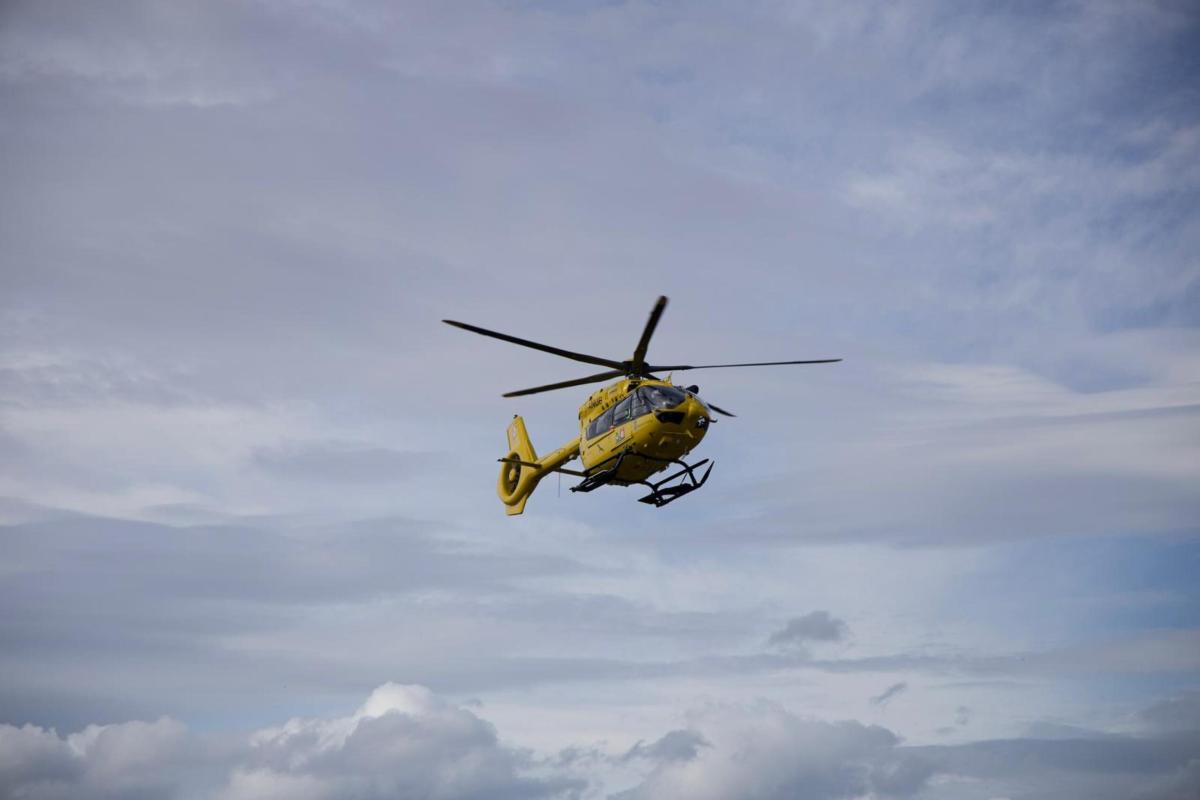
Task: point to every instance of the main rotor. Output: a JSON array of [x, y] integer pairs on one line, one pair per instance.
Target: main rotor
[[635, 367]]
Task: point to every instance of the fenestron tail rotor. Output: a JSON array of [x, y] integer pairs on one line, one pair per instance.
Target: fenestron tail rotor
[[635, 367]]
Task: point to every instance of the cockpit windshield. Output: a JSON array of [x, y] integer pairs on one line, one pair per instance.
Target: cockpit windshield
[[662, 396]]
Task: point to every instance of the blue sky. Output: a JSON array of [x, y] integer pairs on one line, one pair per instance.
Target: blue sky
[[251, 546]]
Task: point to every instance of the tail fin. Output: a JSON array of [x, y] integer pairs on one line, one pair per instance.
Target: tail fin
[[521, 469]]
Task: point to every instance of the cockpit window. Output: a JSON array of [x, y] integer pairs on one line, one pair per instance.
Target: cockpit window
[[645, 400], [640, 406], [621, 411], [662, 396]]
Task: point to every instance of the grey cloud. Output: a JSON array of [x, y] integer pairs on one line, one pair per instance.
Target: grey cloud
[[1045, 729], [403, 742], [215, 207], [1167, 653], [766, 753], [1142, 653], [901, 776], [63, 380], [127, 760], [1183, 784], [337, 461], [889, 693], [680, 745], [1178, 713], [33, 755], [815, 626], [1108, 768], [194, 599], [434, 107], [407, 741], [314, 563]]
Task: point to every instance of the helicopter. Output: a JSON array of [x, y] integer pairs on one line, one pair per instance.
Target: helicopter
[[629, 431]]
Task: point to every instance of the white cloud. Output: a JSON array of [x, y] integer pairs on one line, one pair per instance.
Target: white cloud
[[130, 759], [406, 741], [765, 753], [403, 742]]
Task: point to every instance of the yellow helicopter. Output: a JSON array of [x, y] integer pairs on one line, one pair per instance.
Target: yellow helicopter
[[629, 430]]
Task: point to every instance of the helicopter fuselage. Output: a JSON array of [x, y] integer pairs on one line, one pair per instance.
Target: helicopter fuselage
[[653, 422]]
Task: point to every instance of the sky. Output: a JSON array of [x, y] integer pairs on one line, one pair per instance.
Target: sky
[[250, 545]]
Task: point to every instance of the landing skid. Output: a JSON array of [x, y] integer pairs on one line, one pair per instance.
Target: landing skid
[[660, 493]]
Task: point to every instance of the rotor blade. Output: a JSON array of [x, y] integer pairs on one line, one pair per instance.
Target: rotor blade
[[600, 376], [545, 348], [639, 352], [709, 405], [718, 409], [679, 367]]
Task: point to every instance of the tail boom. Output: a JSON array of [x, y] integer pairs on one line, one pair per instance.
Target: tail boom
[[521, 469]]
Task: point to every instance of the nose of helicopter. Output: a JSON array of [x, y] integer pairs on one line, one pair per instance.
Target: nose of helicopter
[[696, 416]]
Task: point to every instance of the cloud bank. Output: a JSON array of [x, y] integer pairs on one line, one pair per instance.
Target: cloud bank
[[406, 741]]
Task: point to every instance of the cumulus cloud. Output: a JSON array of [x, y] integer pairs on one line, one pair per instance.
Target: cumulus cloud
[[763, 752], [125, 760], [680, 745], [404, 741], [815, 626]]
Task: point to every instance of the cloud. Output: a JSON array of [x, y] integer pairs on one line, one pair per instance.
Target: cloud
[[407, 741], [404, 741], [242, 601], [230, 229], [125, 760], [336, 461], [815, 626], [763, 752], [680, 745], [889, 693], [1178, 713], [1183, 784], [1106, 768]]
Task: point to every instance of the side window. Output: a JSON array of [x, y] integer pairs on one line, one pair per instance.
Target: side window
[[601, 424], [621, 411]]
